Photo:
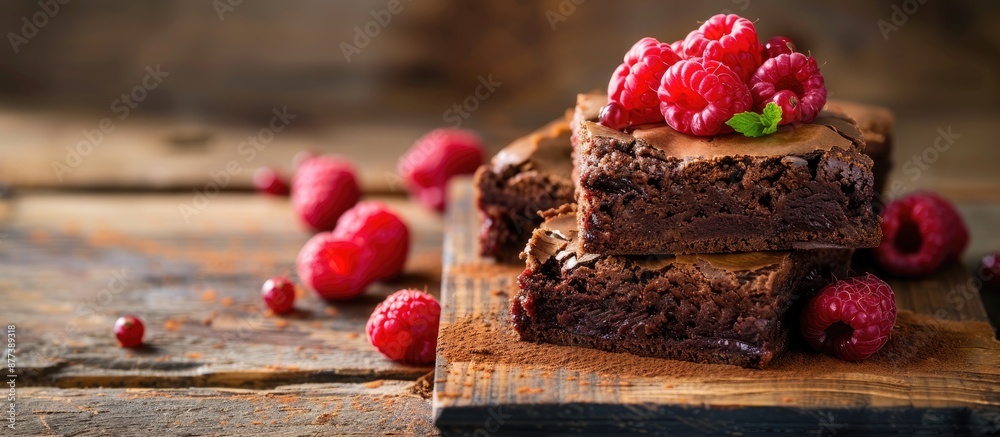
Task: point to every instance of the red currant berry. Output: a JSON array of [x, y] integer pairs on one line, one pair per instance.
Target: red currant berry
[[778, 45], [279, 294], [129, 331], [789, 104]]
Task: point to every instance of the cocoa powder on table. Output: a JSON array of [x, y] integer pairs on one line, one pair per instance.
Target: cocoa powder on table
[[919, 344]]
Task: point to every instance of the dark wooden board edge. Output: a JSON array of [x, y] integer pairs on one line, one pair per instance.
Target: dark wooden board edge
[[556, 419]]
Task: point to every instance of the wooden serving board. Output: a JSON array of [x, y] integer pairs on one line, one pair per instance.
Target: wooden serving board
[[940, 372]]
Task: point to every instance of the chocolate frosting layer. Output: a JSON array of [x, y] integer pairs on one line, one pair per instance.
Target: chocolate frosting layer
[[833, 128], [546, 149], [557, 237]]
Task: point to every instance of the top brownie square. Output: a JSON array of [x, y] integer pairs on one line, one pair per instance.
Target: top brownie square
[[655, 190]]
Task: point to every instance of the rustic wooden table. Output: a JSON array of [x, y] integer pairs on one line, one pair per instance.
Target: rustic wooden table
[[215, 361], [75, 255]]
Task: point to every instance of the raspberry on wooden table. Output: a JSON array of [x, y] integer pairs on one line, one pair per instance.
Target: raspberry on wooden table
[[850, 319], [129, 331], [404, 327], [335, 269], [324, 187], [437, 157], [632, 89], [699, 96], [375, 225], [920, 233]]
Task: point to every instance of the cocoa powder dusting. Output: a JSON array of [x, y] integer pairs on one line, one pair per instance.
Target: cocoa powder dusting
[[918, 344]]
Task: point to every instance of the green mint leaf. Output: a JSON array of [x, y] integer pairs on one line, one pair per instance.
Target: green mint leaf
[[755, 125], [747, 123], [771, 117]]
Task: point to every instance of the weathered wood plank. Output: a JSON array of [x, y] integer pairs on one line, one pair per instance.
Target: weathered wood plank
[[71, 264], [933, 375], [377, 408]]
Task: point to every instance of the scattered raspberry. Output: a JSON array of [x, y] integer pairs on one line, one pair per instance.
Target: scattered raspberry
[[989, 270], [699, 96], [920, 233], [632, 89], [778, 45], [335, 269], [268, 181], [437, 157], [794, 72], [278, 294], [404, 327], [323, 188], [850, 319], [729, 39], [129, 330], [374, 225]]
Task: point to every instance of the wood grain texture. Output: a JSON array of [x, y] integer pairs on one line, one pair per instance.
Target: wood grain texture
[[378, 408], [511, 398], [71, 264]]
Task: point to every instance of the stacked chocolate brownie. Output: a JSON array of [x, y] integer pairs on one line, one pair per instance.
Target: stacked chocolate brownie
[[694, 248], [532, 174]]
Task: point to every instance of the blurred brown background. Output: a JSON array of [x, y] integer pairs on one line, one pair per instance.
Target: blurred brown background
[[230, 64]]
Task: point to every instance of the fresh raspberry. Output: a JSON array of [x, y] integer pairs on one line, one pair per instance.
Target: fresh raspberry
[[279, 294], [795, 72], [374, 225], [789, 104], [698, 97], [729, 39], [268, 181], [335, 269], [323, 188], [678, 48], [632, 89], [989, 270], [778, 45], [920, 233], [437, 157], [404, 327], [850, 319], [129, 331]]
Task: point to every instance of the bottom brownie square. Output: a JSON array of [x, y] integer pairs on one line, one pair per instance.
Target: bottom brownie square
[[720, 308]]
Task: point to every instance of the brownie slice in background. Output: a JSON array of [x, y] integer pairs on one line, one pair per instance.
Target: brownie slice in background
[[722, 308], [877, 123], [532, 174], [656, 190]]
